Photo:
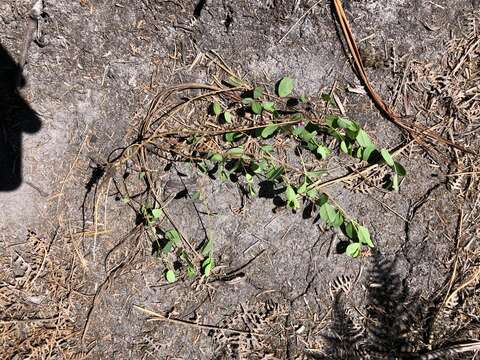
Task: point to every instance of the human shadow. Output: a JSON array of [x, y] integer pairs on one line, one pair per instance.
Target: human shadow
[[16, 117]]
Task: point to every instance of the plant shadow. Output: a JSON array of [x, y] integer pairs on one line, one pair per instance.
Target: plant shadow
[[397, 325]]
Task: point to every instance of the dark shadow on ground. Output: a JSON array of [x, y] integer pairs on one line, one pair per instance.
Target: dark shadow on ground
[[16, 117], [397, 325]]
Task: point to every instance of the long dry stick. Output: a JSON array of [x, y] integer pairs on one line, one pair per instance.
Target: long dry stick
[[159, 317], [382, 106]]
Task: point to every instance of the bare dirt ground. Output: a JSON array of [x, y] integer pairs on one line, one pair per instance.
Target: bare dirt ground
[[78, 279]]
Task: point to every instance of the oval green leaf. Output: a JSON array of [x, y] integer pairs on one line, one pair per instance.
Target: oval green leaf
[[399, 169], [257, 92], [363, 139], [285, 86], [216, 158], [268, 130], [268, 106], [364, 236], [387, 157], [323, 151], [170, 276], [256, 107], [235, 152], [345, 123], [191, 272], [157, 213], [173, 236], [292, 198], [351, 231], [353, 250], [367, 152], [227, 116], [217, 109]]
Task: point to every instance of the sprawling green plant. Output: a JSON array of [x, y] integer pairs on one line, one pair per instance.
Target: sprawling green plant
[[271, 144]]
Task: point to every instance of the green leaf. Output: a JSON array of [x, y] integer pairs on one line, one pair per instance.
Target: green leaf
[[229, 136], [292, 200], [227, 116], [285, 86], [256, 107], [251, 190], [399, 169], [173, 236], [207, 265], [351, 134], [364, 236], [157, 213], [257, 92], [247, 101], [202, 167], [191, 272], [233, 136], [323, 199], [387, 157], [234, 81], [302, 188], [323, 151], [367, 152], [395, 182], [248, 177], [167, 248], [266, 148], [328, 214], [207, 269], [268, 106], [312, 194], [216, 158], [353, 250], [331, 120], [290, 193], [298, 131], [170, 276], [327, 98], [207, 247], [351, 231], [344, 123], [344, 147], [196, 195], [323, 213], [303, 134], [338, 221], [224, 176], [217, 108], [275, 172], [363, 139], [256, 167], [235, 152], [302, 99], [315, 173], [259, 167], [268, 130], [331, 213], [359, 153], [298, 117], [141, 174]]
